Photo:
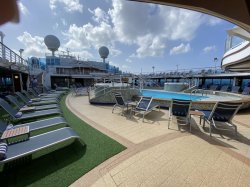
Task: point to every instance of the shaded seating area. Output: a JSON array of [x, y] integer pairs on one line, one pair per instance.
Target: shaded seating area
[[144, 106], [222, 115], [180, 110], [47, 142]]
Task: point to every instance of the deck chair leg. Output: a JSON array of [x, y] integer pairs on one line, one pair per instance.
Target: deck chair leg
[[169, 122], [113, 108], [210, 127]]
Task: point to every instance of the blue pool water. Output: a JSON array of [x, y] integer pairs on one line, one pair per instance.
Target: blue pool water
[[171, 95]]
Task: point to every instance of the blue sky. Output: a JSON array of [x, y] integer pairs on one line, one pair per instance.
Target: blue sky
[[138, 35]]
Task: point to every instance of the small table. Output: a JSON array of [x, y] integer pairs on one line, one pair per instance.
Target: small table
[[11, 133], [197, 113], [131, 104]]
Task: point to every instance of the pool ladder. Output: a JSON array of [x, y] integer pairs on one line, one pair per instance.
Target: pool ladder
[[198, 90]]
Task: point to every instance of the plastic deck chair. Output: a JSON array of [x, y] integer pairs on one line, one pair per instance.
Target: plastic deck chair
[[235, 89], [223, 112], [180, 109], [246, 91], [120, 103], [145, 106]]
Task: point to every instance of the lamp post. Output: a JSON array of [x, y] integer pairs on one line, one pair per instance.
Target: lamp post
[[215, 60], [153, 69]]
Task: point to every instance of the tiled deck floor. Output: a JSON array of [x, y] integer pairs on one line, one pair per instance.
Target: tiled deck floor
[[158, 156]]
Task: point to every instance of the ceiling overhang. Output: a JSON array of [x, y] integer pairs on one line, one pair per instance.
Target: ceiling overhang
[[235, 11]]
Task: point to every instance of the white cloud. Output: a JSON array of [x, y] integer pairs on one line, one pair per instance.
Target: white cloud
[[23, 8], [153, 27], [34, 45], [88, 36], [64, 22], [212, 21], [149, 46], [128, 60], [68, 5], [180, 49], [99, 15], [55, 26], [209, 48], [125, 67]]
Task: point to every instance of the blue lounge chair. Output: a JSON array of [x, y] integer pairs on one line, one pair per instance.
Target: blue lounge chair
[[45, 143], [22, 116], [223, 112], [224, 89], [120, 103], [144, 106], [246, 91], [235, 89], [23, 107], [36, 125], [180, 109]]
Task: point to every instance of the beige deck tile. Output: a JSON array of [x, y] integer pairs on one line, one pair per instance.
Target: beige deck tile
[[186, 160]]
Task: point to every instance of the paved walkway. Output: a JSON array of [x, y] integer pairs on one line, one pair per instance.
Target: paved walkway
[[158, 156]]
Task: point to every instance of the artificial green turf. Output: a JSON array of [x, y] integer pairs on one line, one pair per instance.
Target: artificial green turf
[[63, 167]]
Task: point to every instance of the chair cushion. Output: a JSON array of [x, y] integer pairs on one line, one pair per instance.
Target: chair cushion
[[18, 114], [10, 126], [3, 150]]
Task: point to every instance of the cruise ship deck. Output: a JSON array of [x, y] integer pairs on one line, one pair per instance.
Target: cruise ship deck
[[158, 156]]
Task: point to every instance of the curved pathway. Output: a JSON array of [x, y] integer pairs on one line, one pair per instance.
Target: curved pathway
[[158, 156]]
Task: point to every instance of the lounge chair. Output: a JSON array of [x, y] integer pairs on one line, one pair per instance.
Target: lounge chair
[[36, 125], [30, 102], [246, 91], [235, 89], [37, 99], [144, 106], [35, 94], [224, 88], [23, 107], [120, 103], [213, 87], [43, 143], [21, 116], [222, 112], [180, 109]]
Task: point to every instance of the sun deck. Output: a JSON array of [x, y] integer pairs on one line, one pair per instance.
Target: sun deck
[[158, 156]]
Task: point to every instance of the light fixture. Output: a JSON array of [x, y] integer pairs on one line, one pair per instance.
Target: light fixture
[[16, 76]]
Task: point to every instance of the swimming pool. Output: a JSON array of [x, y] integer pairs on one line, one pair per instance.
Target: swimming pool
[[171, 95]]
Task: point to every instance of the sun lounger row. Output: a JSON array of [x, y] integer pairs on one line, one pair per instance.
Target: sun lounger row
[[225, 88], [26, 147]]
